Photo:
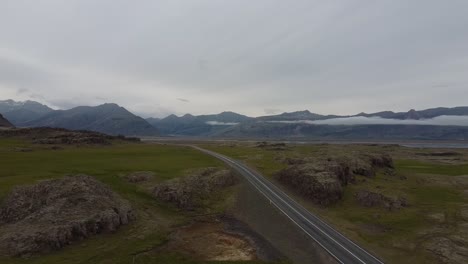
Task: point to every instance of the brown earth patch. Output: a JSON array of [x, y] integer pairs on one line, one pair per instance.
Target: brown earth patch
[[209, 241]]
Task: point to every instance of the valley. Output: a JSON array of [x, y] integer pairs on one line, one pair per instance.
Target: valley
[[401, 204]]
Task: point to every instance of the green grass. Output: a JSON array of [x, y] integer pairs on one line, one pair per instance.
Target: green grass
[[415, 166], [108, 164], [393, 235], [264, 160]]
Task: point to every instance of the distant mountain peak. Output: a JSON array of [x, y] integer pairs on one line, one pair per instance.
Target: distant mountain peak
[[412, 114], [19, 112]]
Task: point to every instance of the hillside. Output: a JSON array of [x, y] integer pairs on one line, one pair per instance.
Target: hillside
[[203, 125], [21, 112], [4, 122], [107, 118], [338, 132], [422, 114]]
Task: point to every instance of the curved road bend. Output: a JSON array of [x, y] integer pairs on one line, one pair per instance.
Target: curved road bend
[[338, 246]]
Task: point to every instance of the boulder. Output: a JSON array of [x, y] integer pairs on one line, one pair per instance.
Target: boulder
[[52, 214], [321, 181], [374, 199], [368, 164], [189, 192]]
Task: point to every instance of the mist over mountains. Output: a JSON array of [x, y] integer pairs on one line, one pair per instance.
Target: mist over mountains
[[431, 124]]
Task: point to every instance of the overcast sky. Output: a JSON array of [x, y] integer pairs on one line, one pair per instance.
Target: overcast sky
[[255, 57]]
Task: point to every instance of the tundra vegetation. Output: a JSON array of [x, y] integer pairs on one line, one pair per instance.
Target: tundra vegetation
[[406, 205], [131, 202]]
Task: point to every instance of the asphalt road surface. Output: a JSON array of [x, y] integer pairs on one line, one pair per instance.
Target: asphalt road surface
[[337, 245]]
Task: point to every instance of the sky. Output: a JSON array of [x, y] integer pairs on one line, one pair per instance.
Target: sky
[[262, 57]]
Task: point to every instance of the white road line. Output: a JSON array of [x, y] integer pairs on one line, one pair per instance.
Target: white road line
[[296, 223], [224, 158], [317, 218], [301, 215]]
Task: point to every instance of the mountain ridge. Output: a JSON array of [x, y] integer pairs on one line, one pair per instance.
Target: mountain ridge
[[106, 118], [113, 119], [19, 112], [4, 123]]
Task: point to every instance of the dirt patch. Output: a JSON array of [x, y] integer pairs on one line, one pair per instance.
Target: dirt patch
[[220, 239]]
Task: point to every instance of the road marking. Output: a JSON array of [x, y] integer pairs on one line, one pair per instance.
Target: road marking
[[305, 218], [243, 168], [301, 215]]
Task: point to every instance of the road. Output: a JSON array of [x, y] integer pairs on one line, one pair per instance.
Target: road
[[337, 245]]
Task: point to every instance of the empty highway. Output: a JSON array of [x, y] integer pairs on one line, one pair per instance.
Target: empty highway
[[338, 246]]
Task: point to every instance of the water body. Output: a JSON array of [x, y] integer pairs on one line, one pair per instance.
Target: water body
[[436, 145]]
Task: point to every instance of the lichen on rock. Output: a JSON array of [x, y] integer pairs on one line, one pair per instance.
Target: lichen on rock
[[318, 181], [52, 214], [374, 199], [188, 192]]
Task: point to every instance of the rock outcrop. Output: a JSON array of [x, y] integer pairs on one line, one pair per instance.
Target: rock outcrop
[[374, 199], [54, 136], [368, 164], [189, 192], [449, 250], [321, 181], [52, 214]]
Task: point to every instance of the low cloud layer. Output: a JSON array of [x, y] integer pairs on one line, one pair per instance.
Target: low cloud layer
[[360, 120], [216, 123]]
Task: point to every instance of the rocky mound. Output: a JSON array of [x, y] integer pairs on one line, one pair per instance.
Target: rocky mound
[[4, 122], [189, 192], [52, 214], [271, 146], [367, 164], [319, 181], [323, 179], [47, 135], [374, 199]]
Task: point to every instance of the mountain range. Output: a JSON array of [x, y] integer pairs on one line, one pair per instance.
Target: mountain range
[[432, 124], [107, 118], [22, 112], [202, 125]]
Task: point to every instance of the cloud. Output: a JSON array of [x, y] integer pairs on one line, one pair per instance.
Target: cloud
[[360, 120], [22, 91], [216, 123], [272, 111], [183, 100], [336, 57]]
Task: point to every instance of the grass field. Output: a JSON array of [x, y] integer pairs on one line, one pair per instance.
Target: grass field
[[24, 163], [431, 187]]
